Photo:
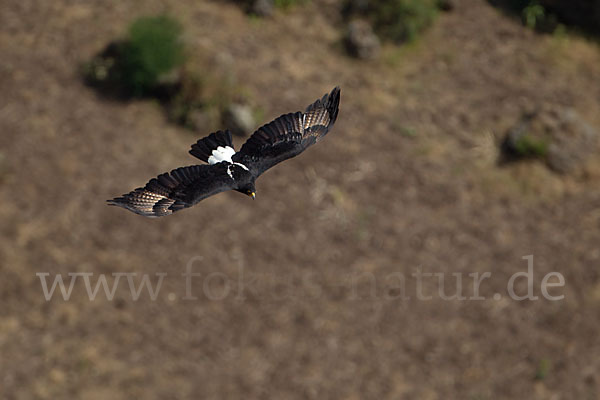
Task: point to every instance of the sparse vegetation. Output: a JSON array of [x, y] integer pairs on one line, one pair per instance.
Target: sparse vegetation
[[200, 102], [396, 20], [287, 3], [548, 16], [265, 8], [542, 369], [558, 136], [185, 100], [532, 14], [529, 147], [535, 16], [408, 131]]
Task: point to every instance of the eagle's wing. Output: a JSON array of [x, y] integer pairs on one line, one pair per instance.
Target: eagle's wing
[[289, 135], [172, 191]]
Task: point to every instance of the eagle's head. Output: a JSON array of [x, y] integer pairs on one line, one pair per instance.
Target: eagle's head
[[248, 189]]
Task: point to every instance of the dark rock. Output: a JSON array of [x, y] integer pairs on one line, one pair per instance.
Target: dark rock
[[361, 41], [556, 135], [262, 8], [238, 119]]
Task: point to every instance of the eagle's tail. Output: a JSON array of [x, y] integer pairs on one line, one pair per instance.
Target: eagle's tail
[[204, 147]]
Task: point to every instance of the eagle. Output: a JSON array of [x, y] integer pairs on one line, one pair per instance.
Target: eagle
[[225, 169]]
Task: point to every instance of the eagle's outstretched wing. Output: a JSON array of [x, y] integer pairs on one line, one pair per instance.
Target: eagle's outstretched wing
[[181, 188], [289, 135]]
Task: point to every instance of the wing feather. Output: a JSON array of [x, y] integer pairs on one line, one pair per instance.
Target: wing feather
[[172, 191]]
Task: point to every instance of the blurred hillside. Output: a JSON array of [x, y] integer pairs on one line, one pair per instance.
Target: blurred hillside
[[299, 293]]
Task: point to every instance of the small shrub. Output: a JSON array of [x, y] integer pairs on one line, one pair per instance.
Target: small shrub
[[397, 20], [529, 147], [543, 369], [403, 20], [135, 65], [153, 48], [408, 131], [532, 14], [535, 16]]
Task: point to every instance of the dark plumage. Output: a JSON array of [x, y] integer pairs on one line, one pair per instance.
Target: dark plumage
[[283, 138]]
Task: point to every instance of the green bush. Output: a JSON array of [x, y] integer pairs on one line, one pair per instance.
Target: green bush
[[403, 20], [543, 369], [535, 14], [138, 65], [532, 14], [153, 48], [149, 62], [529, 147], [396, 20]]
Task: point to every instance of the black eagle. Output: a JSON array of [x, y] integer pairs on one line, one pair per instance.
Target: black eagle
[[283, 138]]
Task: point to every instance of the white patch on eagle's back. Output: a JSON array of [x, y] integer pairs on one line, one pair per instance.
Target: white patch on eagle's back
[[224, 153], [221, 154]]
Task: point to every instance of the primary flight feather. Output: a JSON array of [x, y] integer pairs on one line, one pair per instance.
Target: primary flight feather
[[280, 139]]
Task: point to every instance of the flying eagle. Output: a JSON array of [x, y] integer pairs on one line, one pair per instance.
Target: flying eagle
[[283, 138]]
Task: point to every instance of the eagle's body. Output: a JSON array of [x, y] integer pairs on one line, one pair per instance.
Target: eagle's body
[[283, 138]]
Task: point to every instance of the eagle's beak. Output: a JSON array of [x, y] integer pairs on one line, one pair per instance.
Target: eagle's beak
[[253, 195]]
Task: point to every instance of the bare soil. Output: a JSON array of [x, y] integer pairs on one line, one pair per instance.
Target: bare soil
[[301, 292]]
